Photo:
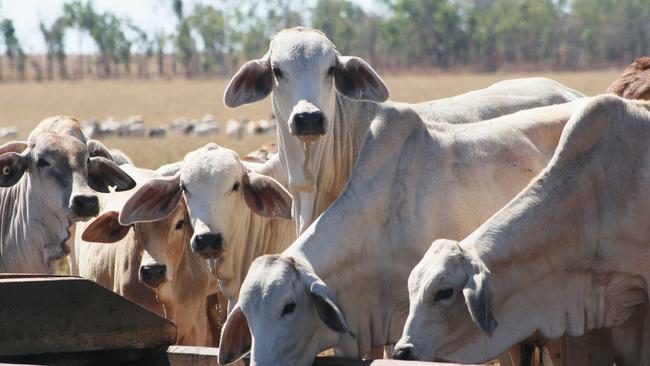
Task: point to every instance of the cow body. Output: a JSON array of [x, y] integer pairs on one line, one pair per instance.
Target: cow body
[[356, 257], [576, 234]]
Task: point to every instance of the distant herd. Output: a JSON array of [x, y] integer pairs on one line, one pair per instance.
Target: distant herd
[[505, 223]]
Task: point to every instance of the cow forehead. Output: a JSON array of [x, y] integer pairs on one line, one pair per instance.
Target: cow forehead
[[59, 146], [268, 276], [64, 125], [210, 166], [302, 47]]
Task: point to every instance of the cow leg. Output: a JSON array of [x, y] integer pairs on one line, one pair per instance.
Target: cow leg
[[592, 349], [526, 353]]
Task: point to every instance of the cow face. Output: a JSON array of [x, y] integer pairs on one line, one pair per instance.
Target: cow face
[[221, 195], [304, 71], [451, 302], [59, 183], [289, 311]]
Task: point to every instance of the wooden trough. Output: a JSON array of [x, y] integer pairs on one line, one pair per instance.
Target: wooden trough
[[57, 320]]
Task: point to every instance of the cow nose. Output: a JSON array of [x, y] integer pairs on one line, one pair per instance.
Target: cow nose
[[309, 123], [208, 245], [403, 353], [153, 274], [85, 205]]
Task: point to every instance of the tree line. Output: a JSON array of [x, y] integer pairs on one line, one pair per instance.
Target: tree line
[[213, 40]]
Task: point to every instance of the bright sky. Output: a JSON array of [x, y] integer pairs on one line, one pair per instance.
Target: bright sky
[[150, 15]]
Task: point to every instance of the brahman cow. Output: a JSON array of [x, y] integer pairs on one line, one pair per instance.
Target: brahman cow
[[634, 82], [149, 263], [567, 255], [324, 103], [237, 214], [342, 283], [47, 185]]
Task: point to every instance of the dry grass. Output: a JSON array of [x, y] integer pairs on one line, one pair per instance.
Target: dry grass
[[25, 104]]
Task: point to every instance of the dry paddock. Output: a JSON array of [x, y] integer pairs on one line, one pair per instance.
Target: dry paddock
[[161, 101]]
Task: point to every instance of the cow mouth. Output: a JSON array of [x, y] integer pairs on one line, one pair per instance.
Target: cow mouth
[[154, 283], [309, 138], [216, 255]]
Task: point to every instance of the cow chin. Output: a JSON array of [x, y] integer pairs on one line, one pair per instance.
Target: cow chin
[[54, 251]]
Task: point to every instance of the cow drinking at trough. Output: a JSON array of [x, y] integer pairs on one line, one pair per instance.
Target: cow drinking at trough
[[47, 184], [578, 233], [324, 103], [150, 263], [342, 283], [237, 214]]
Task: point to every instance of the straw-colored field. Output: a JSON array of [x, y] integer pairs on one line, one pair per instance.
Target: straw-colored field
[[25, 104]]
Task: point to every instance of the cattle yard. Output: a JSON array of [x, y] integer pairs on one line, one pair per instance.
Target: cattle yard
[[162, 101]]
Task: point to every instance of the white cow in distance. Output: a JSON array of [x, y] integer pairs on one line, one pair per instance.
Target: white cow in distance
[[342, 283], [324, 103], [237, 214], [48, 183], [577, 234]]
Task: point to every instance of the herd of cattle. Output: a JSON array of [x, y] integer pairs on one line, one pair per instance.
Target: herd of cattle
[[328, 243]]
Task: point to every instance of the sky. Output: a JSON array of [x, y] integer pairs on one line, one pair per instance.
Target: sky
[[150, 15]]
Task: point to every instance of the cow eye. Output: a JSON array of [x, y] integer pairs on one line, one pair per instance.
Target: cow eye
[[179, 224], [183, 188], [443, 294], [235, 186], [288, 308], [42, 163], [277, 72], [331, 71]]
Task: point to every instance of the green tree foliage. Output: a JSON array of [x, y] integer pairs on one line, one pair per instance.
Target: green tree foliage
[[210, 24], [55, 43]]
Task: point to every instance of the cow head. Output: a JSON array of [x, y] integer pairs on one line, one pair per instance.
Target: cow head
[[60, 177], [290, 312], [164, 243], [451, 303], [304, 71], [220, 194]]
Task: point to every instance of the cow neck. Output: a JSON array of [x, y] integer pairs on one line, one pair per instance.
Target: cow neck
[[28, 227], [317, 172], [253, 237]]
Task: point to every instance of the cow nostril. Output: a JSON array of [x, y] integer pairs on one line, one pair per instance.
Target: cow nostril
[[208, 243], [153, 274], [403, 353], [85, 205]]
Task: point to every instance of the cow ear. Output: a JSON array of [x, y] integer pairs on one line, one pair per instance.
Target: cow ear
[[153, 201], [479, 296], [328, 310], [105, 229], [103, 173], [96, 148], [266, 197], [323, 299], [13, 146], [253, 82], [12, 167], [355, 79], [236, 338]]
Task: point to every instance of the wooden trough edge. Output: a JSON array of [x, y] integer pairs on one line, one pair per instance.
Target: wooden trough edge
[[208, 356]]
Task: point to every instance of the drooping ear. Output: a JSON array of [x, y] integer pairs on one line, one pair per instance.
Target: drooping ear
[[236, 338], [103, 173], [153, 201], [12, 167], [253, 82], [13, 146], [479, 296], [96, 148], [323, 299], [266, 197], [105, 229], [355, 79]]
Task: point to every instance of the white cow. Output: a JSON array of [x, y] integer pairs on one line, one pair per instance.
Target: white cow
[[567, 255], [324, 103], [46, 185], [149, 263], [350, 267], [237, 214]]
